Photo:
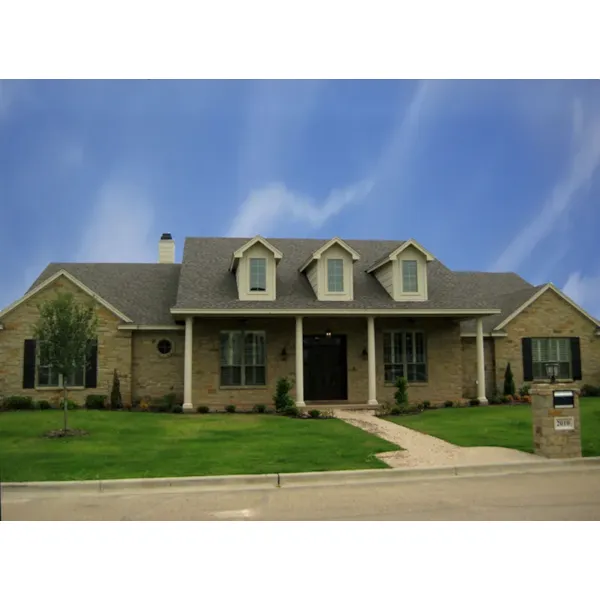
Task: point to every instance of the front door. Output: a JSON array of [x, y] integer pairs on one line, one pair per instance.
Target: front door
[[325, 367]]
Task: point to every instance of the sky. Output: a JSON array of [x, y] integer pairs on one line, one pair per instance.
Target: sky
[[486, 175]]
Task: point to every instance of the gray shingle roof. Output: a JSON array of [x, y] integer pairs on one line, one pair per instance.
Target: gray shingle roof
[[206, 283], [143, 292]]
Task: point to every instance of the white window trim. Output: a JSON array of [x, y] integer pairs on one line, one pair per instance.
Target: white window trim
[[341, 292], [405, 362], [60, 386], [242, 366], [252, 292], [405, 292]]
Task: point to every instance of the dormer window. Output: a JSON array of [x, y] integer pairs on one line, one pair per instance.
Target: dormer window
[[410, 277], [258, 274], [335, 275]]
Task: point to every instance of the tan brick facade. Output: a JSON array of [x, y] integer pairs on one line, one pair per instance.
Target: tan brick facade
[[469, 367], [548, 316]]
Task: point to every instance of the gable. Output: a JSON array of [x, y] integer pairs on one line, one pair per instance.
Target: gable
[[329, 247], [255, 244]]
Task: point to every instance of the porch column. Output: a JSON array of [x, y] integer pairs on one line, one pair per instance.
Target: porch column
[[299, 363], [187, 365], [480, 363], [371, 358]]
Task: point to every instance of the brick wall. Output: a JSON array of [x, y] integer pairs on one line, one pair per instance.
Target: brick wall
[[469, 366], [114, 347], [549, 316]]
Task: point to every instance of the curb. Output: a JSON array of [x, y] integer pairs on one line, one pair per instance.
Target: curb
[[266, 481]]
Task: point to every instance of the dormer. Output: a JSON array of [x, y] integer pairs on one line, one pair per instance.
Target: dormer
[[255, 268], [330, 270], [403, 272]]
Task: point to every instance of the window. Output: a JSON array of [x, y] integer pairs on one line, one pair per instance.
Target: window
[[48, 377], [164, 347], [546, 351], [243, 358], [258, 274], [335, 275], [410, 280], [404, 356]]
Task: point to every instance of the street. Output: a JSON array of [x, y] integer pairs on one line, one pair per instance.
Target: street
[[560, 495]]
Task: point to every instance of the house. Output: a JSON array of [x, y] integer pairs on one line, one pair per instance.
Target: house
[[344, 318]]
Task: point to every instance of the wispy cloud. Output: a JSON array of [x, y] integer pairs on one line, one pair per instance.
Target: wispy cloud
[[585, 291], [584, 163], [120, 226], [264, 208]]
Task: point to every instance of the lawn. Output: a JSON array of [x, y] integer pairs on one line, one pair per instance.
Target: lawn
[[507, 426], [122, 444]]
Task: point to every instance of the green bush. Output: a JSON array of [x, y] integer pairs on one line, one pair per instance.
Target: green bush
[[524, 390], [505, 400], [71, 404], [401, 394], [495, 400], [95, 402], [420, 406], [282, 397], [509, 382], [590, 390], [116, 401], [260, 408], [18, 403], [291, 411], [176, 409], [172, 399], [448, 404], [159, 405], [426, 404], [396, 410], [203, 410], [44, 405], [314, 413], [230, 408], [474, 402]]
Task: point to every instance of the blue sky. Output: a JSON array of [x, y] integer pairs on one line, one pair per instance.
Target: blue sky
[[487, 175]]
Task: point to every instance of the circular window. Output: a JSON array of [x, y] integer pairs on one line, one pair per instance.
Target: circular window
[[164, 347]]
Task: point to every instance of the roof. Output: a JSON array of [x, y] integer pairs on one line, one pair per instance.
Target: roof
[[207, 283], [144, 292], [506, 291]]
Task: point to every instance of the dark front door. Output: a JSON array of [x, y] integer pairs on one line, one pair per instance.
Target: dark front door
[[325, 368]]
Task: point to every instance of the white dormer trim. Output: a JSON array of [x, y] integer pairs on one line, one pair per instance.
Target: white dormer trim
[[259, 248], [316, 255], [394, 255], [388, 271], [257, 239]]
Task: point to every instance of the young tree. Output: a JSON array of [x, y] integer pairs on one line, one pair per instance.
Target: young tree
[[116, 402], [509, 382], [63, 331]]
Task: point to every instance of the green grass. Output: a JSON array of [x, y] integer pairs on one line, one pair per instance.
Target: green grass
[[122, 445], [506, 426]]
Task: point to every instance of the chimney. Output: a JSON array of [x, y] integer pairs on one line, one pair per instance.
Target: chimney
[[166, 249]]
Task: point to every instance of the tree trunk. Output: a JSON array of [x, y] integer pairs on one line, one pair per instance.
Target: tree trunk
[[65, 407]]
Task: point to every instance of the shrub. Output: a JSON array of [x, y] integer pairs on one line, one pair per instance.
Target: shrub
[[509, 382], [71, 404], [116, 401], [230, 408], [426, 405], [159, 405], [506, 399], [524, 390], [18, 403], [282, 398], [44, 405], [176, 408], [260, 408], [314, 413], [590, 390], [172, 399], [203, 410], [144, 406], [401, 394], [291, 411], [95, 402], [495, 400], [474, 402], [448, 404], [396, 410]]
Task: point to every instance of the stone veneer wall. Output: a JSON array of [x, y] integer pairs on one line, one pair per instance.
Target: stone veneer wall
[[469, 366]]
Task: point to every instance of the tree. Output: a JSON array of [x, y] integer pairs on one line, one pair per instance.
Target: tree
[[64, 332], [509, 382], [282, 398], [401, 393], [116, 402]]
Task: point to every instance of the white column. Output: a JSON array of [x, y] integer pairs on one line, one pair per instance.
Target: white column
[[299, 363], [371, 358], [187, 365], [480, 363]]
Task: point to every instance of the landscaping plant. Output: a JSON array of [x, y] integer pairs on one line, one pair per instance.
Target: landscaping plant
[[116, 402], [65, 331], [282, 398], [401, 394], [509, 382]]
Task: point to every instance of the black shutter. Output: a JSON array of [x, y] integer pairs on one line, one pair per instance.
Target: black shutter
[[29, 364], [527, 359], [576, 358], [91, 370]]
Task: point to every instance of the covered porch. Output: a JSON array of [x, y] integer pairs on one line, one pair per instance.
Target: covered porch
[[334, 359]]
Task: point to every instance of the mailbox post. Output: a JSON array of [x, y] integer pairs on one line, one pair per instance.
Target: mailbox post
[[556, 423]]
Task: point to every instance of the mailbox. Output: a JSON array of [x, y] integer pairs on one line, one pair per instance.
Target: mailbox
[[563, 398]]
